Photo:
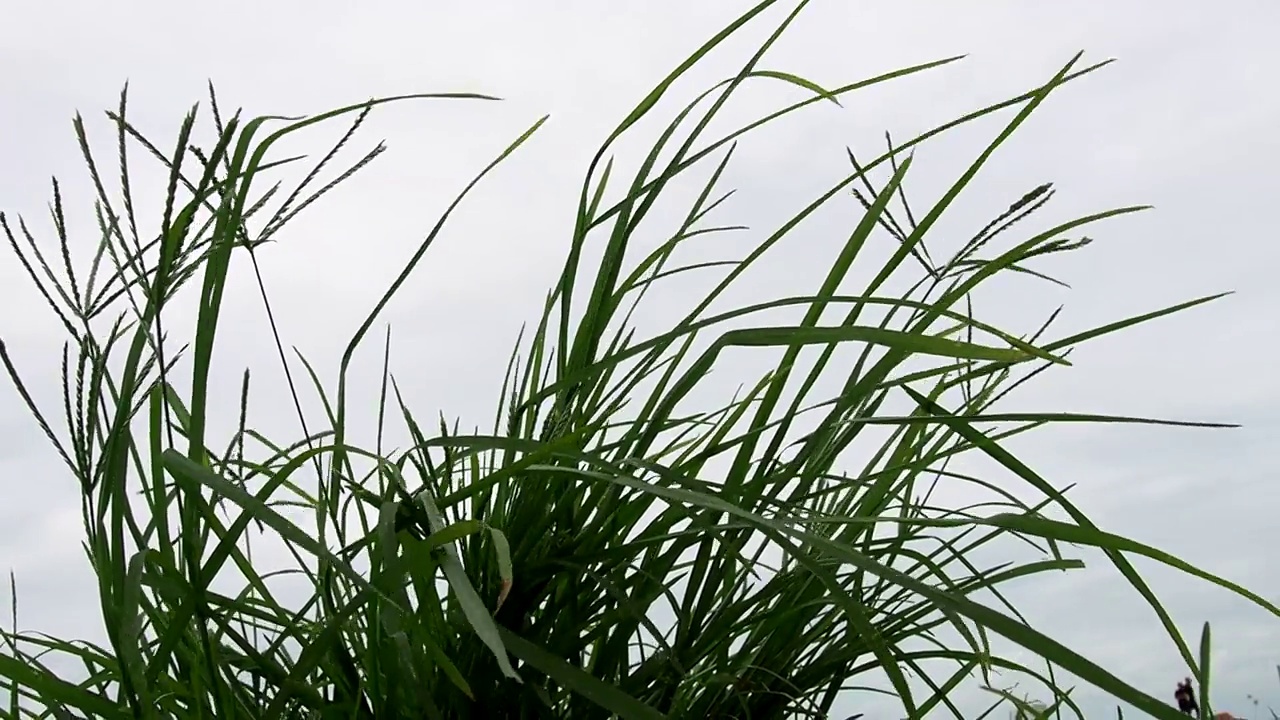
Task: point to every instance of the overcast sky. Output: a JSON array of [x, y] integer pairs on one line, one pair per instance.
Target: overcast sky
[[1184, 121]]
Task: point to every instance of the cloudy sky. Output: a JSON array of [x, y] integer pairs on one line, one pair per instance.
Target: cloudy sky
[[1183, 122]]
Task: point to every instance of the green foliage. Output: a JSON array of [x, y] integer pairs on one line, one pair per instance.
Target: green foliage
[[607, 550]]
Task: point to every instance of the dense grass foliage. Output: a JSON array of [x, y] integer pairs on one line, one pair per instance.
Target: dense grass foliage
[[609, 548]]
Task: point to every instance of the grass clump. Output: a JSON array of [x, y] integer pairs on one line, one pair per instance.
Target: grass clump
[[608, 548]]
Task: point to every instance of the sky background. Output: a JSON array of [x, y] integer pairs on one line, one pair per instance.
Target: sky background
[[1183, 122]]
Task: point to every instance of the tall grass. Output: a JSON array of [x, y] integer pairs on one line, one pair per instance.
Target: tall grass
[[608, 549]]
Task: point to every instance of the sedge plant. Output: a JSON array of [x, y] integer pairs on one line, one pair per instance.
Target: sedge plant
[[609, 548]]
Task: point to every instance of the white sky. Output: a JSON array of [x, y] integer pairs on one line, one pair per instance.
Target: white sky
[[1182, 122]]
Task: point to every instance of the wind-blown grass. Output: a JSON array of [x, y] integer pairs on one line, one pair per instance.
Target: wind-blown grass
[[607, 549]]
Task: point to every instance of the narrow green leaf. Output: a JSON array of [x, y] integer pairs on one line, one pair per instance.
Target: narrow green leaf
[[607, 696]]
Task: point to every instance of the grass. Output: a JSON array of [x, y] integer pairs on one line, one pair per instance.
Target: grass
[[609, 548]]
